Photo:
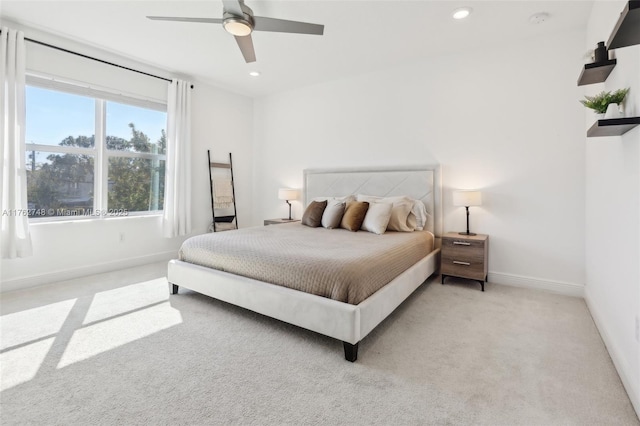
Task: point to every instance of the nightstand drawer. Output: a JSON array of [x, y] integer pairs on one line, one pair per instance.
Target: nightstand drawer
[[472, 268], [461, 247]]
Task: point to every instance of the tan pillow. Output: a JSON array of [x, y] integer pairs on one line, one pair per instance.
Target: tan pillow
[[313, 213], [402, 219], [377, 218], [333, 214], [354, 215]]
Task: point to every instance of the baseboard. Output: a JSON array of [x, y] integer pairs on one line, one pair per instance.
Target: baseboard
[[619, 362], [83, 271], [558, 287]]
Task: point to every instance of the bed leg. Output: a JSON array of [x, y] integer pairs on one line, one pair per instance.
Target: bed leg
[[350, 351], [174, 289]]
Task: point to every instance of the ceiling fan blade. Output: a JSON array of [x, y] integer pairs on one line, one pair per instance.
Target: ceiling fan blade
[[283, 26], [233, 7], [179, 19], [245, 44]]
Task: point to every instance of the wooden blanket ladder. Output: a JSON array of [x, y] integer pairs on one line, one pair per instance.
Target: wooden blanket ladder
[[223, 195]]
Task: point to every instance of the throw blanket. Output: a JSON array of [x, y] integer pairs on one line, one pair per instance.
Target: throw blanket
[[334, 263], [223, 192]]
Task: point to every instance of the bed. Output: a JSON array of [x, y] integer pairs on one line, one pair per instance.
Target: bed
[[349, 316]]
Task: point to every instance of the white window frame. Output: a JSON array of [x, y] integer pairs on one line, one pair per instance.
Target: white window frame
[[99, 151]]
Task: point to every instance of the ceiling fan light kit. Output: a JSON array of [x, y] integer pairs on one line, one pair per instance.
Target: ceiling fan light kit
[[237, 26], [239, 21]]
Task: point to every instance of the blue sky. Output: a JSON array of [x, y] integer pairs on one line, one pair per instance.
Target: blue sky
[[52, 116]]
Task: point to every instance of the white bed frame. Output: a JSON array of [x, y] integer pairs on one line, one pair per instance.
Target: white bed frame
[[342, 321]]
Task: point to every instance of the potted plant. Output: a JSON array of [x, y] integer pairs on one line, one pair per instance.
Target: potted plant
[[600, 102]]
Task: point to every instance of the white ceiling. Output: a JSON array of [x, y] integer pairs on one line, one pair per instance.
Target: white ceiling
[[360, 35]]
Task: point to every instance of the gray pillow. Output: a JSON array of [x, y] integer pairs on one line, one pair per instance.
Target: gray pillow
[[333, 214]]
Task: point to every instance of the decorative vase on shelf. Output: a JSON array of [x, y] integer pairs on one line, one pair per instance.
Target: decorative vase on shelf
[[600, 54], [613, 111], [599, 116]]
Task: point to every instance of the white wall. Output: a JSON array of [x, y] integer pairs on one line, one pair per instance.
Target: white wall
[[505, 120], [613, 212], [221, 121]]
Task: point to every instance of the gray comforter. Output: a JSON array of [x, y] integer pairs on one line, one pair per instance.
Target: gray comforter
[[334, 263]]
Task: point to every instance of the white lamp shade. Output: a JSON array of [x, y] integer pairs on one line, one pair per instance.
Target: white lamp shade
[[467, 198], [287, 194]]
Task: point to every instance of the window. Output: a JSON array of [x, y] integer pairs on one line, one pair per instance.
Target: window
[[92, 156]]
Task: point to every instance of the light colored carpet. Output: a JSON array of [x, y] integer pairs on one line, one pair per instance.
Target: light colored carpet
[[116, 349]]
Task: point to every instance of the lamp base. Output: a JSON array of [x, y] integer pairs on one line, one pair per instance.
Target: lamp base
[[467, 233], [289, 209]]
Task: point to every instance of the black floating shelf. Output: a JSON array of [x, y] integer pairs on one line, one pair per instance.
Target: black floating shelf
[[627, 29], [596, 72], [612, 126]]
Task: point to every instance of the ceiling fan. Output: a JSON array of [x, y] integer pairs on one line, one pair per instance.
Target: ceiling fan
[[238, 20]]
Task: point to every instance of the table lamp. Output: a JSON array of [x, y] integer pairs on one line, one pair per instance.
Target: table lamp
[[288, 194], [467, 199]]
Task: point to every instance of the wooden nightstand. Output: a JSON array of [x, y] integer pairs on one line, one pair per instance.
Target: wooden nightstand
[[465, 256], [279, 221]]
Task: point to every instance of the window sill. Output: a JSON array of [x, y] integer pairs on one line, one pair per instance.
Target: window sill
[[91, 218]]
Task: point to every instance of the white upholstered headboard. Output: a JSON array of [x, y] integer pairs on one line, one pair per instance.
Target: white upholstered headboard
[[419, 182]]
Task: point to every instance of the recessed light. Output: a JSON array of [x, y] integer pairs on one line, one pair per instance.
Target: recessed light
[[254, 74], [461, 13], [539, 18]]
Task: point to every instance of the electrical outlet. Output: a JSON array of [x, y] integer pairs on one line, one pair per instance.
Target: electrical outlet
[[122, 237]]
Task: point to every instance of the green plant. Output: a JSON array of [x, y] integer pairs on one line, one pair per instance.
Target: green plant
[[601, 101]]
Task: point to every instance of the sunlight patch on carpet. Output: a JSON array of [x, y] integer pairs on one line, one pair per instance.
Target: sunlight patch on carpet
[[32, 324], [110, 334], [22, 364], [107, 304]]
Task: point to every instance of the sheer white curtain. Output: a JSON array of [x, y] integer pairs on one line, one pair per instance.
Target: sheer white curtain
[[15, 240], [177, 193]]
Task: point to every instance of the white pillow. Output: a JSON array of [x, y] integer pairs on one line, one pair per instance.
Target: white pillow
[[377, 218], [420, 210], [402, 217], [333, 213]]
